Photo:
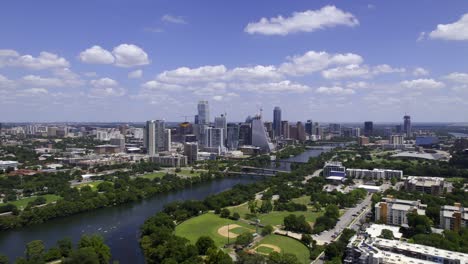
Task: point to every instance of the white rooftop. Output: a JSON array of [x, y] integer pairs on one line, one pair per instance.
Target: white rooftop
[[376, 229]]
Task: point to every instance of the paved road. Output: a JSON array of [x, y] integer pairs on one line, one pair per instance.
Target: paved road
[[315, 174]]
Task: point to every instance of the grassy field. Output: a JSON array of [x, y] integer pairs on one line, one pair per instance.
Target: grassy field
[[151, 176], [243, 209], [93, 185], [305, 200], [24, 202], [287, 245], [277, 217], [207, 225]]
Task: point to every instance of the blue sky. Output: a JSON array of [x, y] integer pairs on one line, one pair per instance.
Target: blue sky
[[345, 61]]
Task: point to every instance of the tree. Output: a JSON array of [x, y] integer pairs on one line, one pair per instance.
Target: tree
[[3, 259], [332, 211], [204, 243], [266, 207], [252, 206], [235, 216], [225, 213], [419, 224], [287, 258], [333, 250], [65, 246], [52, 254], [82, 255], [244, 239], [267, 230], [216, 256], [35, 250], [96, 243], [307, 240], [387, 234]]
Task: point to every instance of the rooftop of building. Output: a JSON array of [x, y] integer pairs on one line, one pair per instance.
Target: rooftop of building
[[431, 251], [375, 230]]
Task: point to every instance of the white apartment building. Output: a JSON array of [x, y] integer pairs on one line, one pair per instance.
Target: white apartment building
[[453, 217], [393, 211], [374, 174]]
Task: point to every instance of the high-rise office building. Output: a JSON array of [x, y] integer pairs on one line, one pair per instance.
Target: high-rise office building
[[277, 122], [285, 129], [245, 134], [191, 151], [407, 125], [167, 139], [335, 129], [309, 127], [398, 129], [301, 134], [220, 122], [154, 136], [214, 137], [269, 128], [368, 128], [203, 113], [232, 136], [259, 135]]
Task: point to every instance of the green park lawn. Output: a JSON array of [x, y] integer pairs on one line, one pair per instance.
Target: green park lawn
[[24, 202], [93, 185], [305, 200], [152, 176], [208, 225], [242, 209], [287, 245], [277, 217]]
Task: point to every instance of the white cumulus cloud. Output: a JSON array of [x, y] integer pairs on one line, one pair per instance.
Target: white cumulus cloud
[[457, 77], [135, 74], [313, 61], [454, 31], [129, 55], [307, 21], [419, 71], [105, 87], [96, 55], [45, 60], [335, 90], [422, 84]]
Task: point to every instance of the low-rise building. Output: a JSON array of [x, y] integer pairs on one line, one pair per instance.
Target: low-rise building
[[374, 174], [453, 217], [5, 164], [429, 185], [107, 149], [363, 250], [332, 168], [393, 211], [172, 160]]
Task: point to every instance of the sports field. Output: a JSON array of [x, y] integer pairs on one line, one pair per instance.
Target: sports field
[[286, 245], [210, 224]]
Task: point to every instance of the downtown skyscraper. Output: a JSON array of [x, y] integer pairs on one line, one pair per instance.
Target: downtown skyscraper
[[407, 125], [203, 116], [154, 136], [277, 122]]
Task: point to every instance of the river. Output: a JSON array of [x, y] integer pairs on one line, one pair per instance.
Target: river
[[118, 225], [285, 164]]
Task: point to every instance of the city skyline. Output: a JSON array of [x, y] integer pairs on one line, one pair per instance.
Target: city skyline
[[329, 61]]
